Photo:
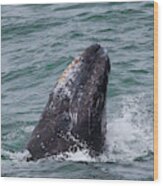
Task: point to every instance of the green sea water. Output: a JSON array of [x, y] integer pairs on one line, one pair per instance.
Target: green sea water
[[38, 42]]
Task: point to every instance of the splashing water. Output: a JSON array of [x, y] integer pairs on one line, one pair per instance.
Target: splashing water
[[38, 42], [126, 137]]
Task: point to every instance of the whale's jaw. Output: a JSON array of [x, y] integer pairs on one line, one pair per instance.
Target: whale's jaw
[[75, 111]]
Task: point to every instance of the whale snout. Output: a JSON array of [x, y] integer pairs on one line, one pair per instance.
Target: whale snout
[[95, 54], [92, 50]]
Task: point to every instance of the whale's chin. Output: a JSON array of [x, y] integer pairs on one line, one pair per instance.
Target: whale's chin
[[74, 116]]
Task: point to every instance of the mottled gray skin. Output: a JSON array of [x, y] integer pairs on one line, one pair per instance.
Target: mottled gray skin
[[75, 112]]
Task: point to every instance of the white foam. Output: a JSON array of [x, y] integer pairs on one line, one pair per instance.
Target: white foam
[[17, 156], [128, 135], [29, 129]]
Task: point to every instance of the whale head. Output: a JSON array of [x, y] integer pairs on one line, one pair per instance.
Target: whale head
[[75, 111]]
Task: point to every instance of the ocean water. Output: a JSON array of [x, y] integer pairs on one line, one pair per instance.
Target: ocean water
[[38, 42]]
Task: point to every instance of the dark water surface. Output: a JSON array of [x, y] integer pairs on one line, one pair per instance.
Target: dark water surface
[[38, 42]]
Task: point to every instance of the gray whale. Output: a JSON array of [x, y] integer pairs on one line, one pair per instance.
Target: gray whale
[[74, 116]]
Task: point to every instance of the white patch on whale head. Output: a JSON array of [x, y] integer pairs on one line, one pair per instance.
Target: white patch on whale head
[[68, 77]]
